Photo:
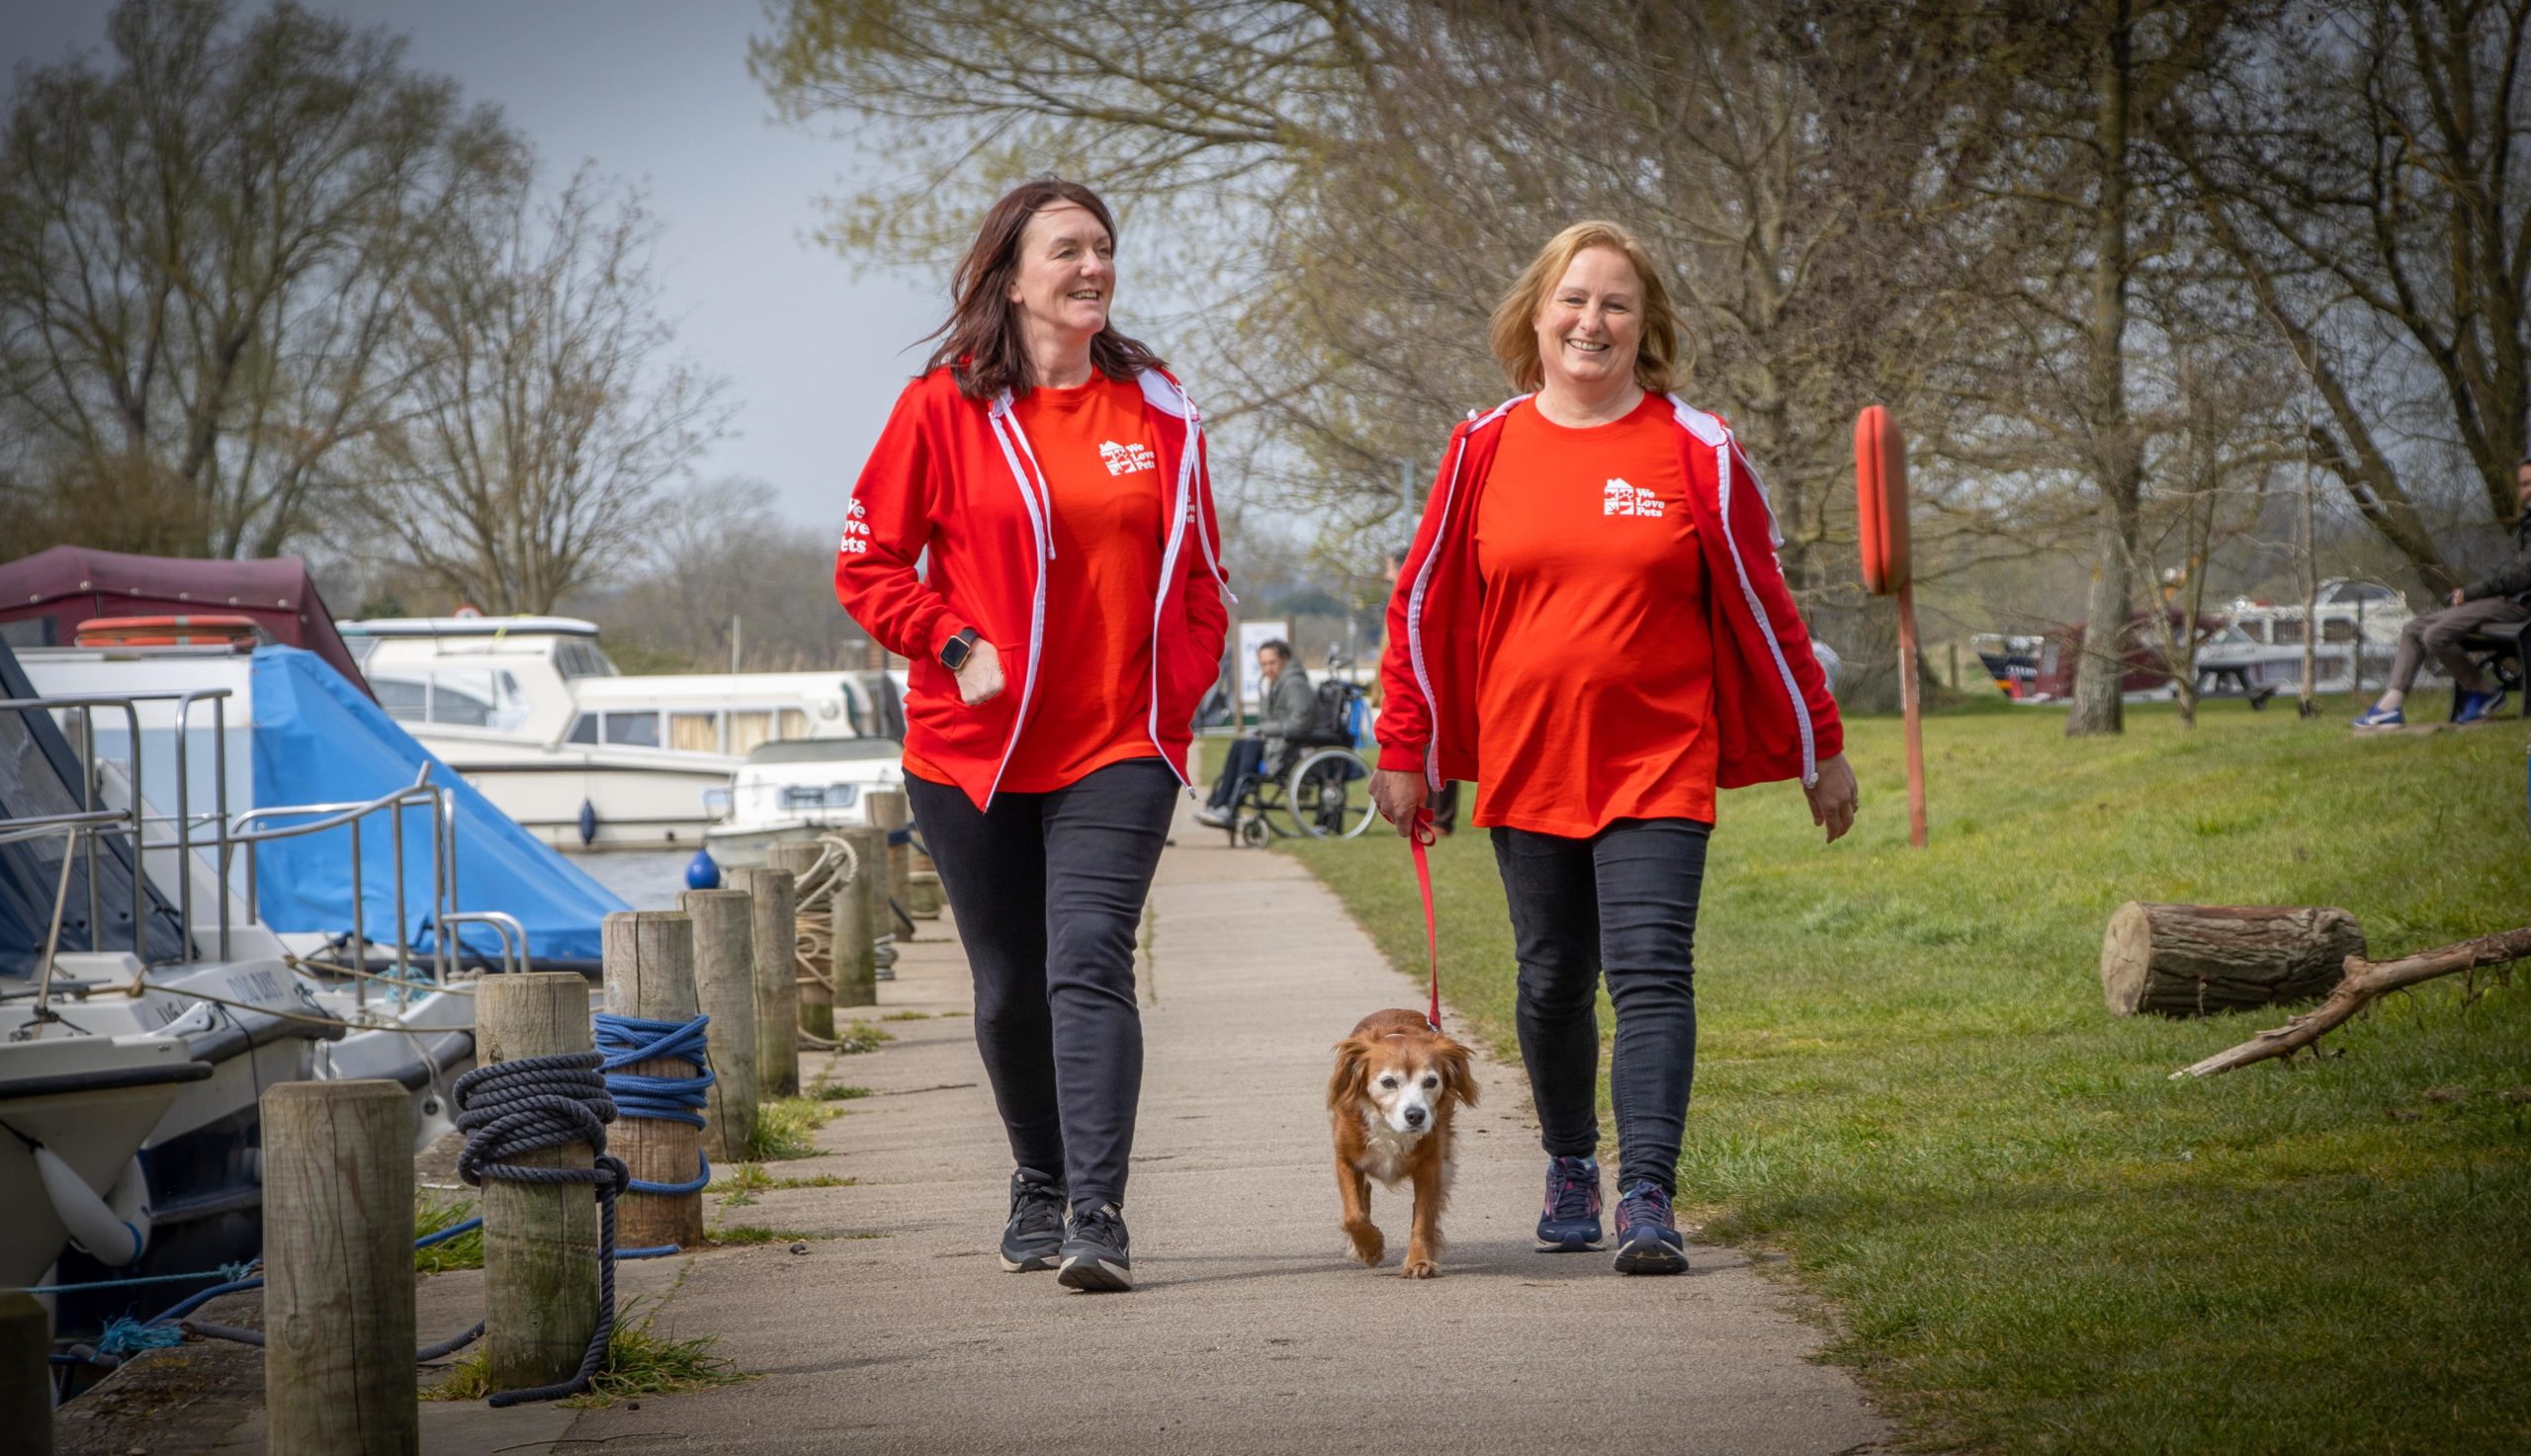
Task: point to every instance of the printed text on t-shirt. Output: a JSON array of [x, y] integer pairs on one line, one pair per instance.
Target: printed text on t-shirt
[[1126, 459], [1622, 499]]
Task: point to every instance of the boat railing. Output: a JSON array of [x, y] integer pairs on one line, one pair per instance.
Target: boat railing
[[98, 819], [419, 795], [514, 955], [246, 830]]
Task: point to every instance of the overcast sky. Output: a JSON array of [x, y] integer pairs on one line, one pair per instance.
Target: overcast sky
[[657, 91]]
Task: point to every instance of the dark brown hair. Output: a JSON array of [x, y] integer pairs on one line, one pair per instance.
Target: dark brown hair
[[981, 341]]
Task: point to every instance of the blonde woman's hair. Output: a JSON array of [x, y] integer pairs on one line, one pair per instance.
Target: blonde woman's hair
[[1515, 337]]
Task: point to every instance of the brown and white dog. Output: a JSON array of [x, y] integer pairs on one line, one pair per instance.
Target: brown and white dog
[[1397, 1082]]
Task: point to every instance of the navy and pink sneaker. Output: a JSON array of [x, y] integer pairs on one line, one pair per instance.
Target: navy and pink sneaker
[[1570, 1220], [1648, 1238]]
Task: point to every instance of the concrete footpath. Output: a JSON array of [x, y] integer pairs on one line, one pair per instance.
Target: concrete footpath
[[1251, 1329]]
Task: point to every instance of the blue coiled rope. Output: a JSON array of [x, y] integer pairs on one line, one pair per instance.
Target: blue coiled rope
[[624, 1041]]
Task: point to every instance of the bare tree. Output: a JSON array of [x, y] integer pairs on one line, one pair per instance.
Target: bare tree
[[1379, 175], [727, 579], [2369, 170], [203, 258], [544, 412]]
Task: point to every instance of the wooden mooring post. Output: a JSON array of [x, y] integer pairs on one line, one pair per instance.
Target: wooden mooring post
[[776, 937], [338, 1270], [815, 979], [891, 812], [26, 1374], [650, 972], [725, 987], [540, 1240], [860, 918]]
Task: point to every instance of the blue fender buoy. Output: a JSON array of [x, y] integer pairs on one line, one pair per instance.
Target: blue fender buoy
[[702, 872], [588, 822]]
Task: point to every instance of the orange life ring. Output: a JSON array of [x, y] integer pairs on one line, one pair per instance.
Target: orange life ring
[[205, 630]]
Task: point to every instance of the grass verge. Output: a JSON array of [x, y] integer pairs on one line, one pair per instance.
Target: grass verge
[[856, 1037], [431, 1213], [2034, 1239], [751, 1234], [787, 1127], [638, 1362]]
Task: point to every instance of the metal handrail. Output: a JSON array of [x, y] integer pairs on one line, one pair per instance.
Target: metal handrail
[[91, 791], [337, 816], [44, 825], [239, 830], [503, 924]]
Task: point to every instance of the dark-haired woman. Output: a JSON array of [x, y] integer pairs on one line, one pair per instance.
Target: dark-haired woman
[[1592, 628], [1066, 621]]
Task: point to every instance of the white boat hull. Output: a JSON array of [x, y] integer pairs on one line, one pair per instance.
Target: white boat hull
[[130, 1082]]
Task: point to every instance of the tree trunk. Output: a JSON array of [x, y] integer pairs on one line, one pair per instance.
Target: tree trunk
[[2098, 707], [2175, 959]]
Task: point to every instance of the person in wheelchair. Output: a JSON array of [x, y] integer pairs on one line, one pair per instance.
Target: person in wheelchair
[[1289, 709], [2500, 598]]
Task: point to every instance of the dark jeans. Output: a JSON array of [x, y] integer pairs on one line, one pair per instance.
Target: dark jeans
[[1247, 756], [1622, 901], [1048, 891]]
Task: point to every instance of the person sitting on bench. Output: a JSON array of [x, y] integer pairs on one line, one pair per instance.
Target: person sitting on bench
[[2502, 597], [1286, 713]]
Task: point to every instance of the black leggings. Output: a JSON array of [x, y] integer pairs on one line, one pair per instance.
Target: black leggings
[[1622, 901], [1048, 891]]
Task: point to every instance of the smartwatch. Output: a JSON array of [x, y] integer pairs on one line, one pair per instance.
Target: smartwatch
[[953, 653]]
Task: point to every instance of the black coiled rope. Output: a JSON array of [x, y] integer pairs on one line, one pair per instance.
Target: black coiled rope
[[512, 1108]]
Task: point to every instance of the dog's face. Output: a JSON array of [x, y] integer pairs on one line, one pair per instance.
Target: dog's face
[[1405, 1080]]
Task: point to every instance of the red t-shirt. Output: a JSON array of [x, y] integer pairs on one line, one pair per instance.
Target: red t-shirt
[[1100, 459], [1595, 683]]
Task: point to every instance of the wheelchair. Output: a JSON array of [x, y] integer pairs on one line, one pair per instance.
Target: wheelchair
[[2503, 653], [1324, 792]]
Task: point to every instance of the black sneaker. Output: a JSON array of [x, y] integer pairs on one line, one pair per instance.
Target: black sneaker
[[1036, 1232], [1648, 1238], [1096, 1253]]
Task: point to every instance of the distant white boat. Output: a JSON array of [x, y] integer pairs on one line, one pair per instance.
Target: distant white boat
[[534, 715], [2359, 634], [796, 791]]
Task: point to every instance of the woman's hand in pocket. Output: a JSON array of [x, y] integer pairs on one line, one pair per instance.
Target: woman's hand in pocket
[[980, 676]]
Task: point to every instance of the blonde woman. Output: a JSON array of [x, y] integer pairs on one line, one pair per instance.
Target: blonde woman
[[1592, 628]]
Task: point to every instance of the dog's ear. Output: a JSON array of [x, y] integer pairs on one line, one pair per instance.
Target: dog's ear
[[1353, 1058], [1457, 1078]]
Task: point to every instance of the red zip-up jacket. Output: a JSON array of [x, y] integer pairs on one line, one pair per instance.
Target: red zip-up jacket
[[1772, 715], [956, 478]]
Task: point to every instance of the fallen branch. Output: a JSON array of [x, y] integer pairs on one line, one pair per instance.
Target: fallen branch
[[2366, 982]]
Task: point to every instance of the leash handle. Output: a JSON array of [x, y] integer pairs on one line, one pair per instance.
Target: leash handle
[[1420, 834]]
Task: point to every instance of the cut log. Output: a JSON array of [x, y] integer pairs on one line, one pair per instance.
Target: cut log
[[2174, 960], [2365, 982]]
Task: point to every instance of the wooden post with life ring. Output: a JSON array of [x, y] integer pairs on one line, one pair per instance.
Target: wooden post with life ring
[[1880, 499]]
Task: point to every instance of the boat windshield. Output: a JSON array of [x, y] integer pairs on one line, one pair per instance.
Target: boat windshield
[[825, 750]]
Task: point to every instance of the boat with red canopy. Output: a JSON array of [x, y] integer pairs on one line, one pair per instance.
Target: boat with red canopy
[[44, 598]]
